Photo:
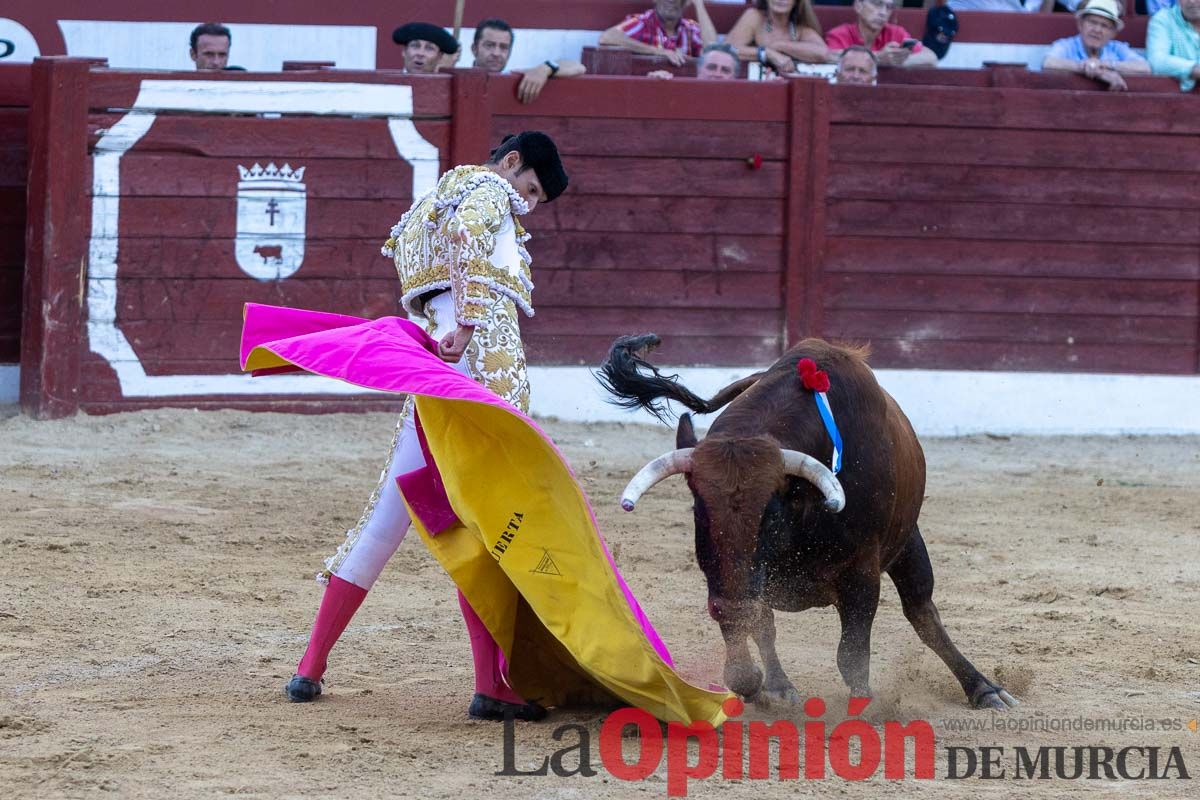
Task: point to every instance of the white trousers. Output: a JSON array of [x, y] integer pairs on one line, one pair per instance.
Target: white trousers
[[385, 521]]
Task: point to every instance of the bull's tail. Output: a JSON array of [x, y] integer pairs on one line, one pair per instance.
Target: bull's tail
[[634, 382]]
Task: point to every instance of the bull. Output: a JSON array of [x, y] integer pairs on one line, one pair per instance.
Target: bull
[[777, 530]]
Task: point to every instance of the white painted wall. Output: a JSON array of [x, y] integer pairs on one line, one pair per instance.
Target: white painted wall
[[25, 47], [944, 403], [10, 383], [939, 403], [258, 48]]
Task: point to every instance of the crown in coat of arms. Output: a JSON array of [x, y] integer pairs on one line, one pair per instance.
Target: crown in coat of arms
[[271, 177]]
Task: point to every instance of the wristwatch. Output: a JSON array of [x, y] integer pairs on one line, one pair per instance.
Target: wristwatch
[[553, 68]]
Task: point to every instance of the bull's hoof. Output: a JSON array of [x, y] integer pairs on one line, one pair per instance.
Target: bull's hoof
[[989, 695], [778, 698], [746, 681], [302, 690], [489, 708]]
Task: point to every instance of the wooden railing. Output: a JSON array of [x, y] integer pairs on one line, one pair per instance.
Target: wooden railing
[[952, 226]]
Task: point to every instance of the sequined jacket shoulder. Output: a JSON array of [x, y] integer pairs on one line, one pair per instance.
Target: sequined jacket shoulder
[[464, 236]]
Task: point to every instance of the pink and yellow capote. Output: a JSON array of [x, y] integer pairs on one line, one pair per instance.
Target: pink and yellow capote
[[500, 509]]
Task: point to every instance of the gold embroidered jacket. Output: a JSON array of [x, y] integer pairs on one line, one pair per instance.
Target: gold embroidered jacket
[[464, 236]]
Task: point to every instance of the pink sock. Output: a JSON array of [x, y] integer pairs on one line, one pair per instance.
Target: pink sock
[[338, 605], [490, 666]]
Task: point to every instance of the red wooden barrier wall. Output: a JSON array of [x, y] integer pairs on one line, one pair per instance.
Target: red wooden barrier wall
[[179, 289], [616, 61], [14, 121], [999, 229], [951, 226], [664, 228]]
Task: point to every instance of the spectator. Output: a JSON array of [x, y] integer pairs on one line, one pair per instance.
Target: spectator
[[425, 46], [1093, 52], [1173, 43], [857, 65], [210, 46], [662, 31], [892, 45], [492, 47], [941, 26], [1020, 6], [779, 33], [718, 62]]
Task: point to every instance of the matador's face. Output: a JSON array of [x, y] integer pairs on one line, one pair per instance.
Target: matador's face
[[524, 180]]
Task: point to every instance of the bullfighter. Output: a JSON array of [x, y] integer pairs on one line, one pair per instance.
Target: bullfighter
[[461, 256]]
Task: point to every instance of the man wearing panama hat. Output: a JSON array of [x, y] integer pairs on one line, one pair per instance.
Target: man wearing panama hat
[[1093, 52]]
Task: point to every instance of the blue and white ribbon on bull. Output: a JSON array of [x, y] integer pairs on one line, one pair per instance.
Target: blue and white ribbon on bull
[[831, 426], [817, 381]]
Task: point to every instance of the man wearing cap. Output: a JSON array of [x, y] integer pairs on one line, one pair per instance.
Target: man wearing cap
[[464, 270], [1093, 52], [1173, 43], [425, 46]]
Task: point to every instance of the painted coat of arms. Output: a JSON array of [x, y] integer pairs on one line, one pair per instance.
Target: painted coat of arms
[[271, 208]]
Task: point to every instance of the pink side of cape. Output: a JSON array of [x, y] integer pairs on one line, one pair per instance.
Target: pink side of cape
[[390, 354]]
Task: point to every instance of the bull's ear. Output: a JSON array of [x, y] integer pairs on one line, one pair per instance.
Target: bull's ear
[[685, 434]]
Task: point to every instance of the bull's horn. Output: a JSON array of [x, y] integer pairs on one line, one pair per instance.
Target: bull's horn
[[672, 463], [805, 466]]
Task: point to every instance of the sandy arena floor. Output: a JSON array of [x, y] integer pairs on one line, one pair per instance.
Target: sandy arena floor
[[158, 591]]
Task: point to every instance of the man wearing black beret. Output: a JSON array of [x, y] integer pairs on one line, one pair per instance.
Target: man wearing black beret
[[461, 256], [424, 46]]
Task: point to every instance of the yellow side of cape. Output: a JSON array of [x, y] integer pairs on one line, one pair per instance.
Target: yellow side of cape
[[526, 555]]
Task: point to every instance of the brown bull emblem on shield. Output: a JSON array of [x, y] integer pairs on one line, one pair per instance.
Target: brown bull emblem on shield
[[271, 254], [271, 210]]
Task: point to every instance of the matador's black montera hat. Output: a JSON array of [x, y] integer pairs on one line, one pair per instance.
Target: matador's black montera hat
[[538, 153]]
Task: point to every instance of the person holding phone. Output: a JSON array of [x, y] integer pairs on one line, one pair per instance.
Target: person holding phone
[[892, 45]]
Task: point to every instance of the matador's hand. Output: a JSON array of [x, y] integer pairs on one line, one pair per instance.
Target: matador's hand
[[453, 345]]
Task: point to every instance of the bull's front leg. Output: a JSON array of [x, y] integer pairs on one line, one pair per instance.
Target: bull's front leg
[[777, 689], [742, 676], [857, 601]]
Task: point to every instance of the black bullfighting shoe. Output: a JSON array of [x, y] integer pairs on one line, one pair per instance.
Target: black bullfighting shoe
[[484, 707], [302, 690]]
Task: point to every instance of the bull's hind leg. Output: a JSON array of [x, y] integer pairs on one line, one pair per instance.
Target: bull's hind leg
[[777, 688], [913, 575]]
